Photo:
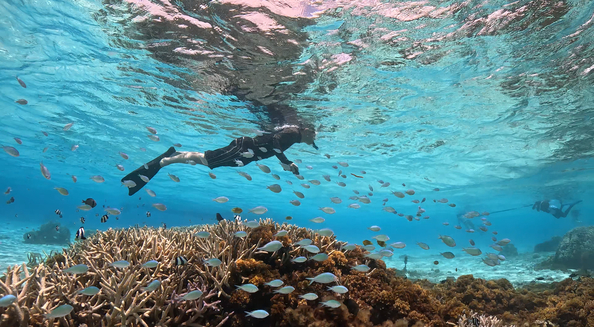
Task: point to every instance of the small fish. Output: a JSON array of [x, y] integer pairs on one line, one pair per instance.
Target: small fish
[[504, 241], [74, 179], [57, 228], [104, 218], [263, 168], [7, 300], [151, 286], [423, 245], [78, 269], [289, 182], [193, 295], [60, 311], [250, 288], [319, 257], [11, 151], [22, 101], [67, 127], [151, 130], [21, 82], [299, 194], [44, 171], [275, 176], [281, 233], [173, 178], [305, 185], [471, 242], [98, 179], [381, 237], [159, 206], [82, 220], [325, 232], [448, 255], [258, 314], [246, 175], [221, 199], [259, 210], [80, 233], [181, 260], [299, 260], [398, 194], [354, 206], [58, 212], [331, 304], [213, 176], [151, 192], [120, 167], [89, 291], [311, 248], [295, 202], [240, 234], [11, 200], [349, 247], [341, 184], [472, 251], [328, 210], [148, 214], [338, 289], [271, 246], [362, 268], [252, 224], [309, 296], [304, 242], [154, 138], [447, 240], [113, 211], [150, 264], [274, 188], [213, 262], [202, 234], [74, 147], [45, 149], [120, 264], [285, 290], [84, 207], [45, 133], [288, 217]]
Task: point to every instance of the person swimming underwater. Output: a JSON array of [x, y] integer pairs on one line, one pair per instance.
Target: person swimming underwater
[[554, 207], [238, 153]]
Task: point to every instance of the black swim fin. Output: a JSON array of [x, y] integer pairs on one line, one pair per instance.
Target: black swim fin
[[153, 168]]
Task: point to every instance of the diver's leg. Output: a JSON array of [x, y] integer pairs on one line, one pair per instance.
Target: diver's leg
[[146, 172], [566, 212], [187, 157]]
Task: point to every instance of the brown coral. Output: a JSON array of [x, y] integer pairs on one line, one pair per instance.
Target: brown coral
[[376, 298]]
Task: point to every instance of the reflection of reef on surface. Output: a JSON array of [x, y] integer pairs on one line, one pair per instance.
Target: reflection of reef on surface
[[375, 298], [49, 233]]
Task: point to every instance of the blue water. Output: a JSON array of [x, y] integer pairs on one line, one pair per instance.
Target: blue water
[[491, 102]]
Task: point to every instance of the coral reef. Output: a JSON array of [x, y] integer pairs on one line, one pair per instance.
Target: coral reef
[[576, 249], [49, 233], [377, 297], [548, 246]]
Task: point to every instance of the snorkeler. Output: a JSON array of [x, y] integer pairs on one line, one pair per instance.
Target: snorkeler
[[240, 152], [554, 207]]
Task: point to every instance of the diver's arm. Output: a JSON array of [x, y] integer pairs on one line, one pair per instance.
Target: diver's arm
[[281, 156]]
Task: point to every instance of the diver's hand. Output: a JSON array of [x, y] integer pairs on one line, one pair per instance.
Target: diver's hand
[[294, 169]]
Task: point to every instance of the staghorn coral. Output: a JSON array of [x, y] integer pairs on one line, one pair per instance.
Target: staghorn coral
[[477, 320], [375, 298]]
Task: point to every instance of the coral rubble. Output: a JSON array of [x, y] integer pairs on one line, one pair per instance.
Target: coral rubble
[[378, 297]]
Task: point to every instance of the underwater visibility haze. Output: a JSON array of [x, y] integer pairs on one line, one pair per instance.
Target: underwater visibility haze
[[448, 139]]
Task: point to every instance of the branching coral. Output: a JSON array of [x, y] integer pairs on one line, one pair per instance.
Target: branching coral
[[374, 298]]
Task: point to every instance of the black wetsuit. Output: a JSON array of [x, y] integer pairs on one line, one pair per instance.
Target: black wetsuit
[[279, 140], [545, 206]]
